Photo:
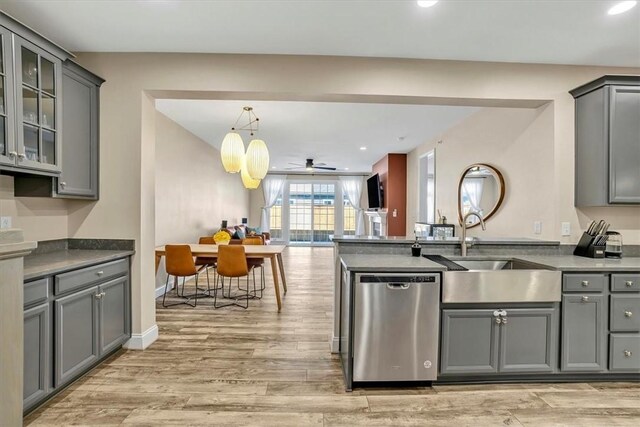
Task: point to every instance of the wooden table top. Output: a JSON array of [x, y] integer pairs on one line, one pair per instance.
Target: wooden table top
[[257, 250]]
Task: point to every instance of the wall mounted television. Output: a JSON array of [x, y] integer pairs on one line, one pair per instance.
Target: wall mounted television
[[375, 193]]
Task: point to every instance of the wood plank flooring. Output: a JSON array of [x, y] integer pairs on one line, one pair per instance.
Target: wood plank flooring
[[257, 367]]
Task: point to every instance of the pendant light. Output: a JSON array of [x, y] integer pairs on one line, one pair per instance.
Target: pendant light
[[257, 159], [249, 183], [232, 152]]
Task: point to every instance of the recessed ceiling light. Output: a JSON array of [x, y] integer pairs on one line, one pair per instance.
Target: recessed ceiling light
[[273, 167], [346, 169], [424, 3], [622, 7], [363, 148]]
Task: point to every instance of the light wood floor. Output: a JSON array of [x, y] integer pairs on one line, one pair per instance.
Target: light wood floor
[[258, 367]]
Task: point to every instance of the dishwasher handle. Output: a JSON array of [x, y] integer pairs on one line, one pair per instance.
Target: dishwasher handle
[[398, 286]]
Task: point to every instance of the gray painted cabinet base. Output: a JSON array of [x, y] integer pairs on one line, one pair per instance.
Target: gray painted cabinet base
[[37, 354], [528, 341], [583, 333]]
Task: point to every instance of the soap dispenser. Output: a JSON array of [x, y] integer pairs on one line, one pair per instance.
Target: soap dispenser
[[416, 248]]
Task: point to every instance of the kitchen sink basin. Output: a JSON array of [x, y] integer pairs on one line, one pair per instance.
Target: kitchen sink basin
[[500, 281]]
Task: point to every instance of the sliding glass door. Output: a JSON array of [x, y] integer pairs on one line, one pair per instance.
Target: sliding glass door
[[311, 212]]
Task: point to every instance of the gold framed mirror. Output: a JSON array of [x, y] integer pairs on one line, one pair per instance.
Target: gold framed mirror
[[481, 189]]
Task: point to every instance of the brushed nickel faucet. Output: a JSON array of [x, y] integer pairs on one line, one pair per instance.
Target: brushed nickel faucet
[[463, 238]]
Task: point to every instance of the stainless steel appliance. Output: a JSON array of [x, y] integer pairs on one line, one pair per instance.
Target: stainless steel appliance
[[395, 327]]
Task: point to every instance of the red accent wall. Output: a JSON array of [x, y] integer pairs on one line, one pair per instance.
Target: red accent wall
[[392, 169]]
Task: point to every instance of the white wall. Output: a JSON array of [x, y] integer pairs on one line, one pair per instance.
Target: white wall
[[193, 192]]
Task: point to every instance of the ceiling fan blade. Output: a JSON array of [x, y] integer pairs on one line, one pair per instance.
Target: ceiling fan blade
[[320, 164], [324, 168], [294, 168], [296, 164]]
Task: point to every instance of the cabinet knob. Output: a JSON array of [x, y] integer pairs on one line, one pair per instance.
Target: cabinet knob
[[585, 283], [504, 320], [102, 294], [628, 313], [12, 154], [628, 353], [629, 283], [499, 320], [21, 155], [63, 184], [100, 273], [585, 298], [98, 296]]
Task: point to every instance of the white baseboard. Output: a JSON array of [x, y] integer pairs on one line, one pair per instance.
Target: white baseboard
[[335, 344], [143, 340]]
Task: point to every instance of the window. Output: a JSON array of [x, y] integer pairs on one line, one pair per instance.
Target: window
[[275, 220], [323, 211], [300, 212], [349, 215]]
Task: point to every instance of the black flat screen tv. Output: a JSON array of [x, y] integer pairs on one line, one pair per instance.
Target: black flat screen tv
[[374, 190]]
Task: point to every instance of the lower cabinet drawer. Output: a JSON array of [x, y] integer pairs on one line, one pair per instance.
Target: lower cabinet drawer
[[624, 352], [583, 282], [624, 315], [36, 291], [85, 276], [625, 282]]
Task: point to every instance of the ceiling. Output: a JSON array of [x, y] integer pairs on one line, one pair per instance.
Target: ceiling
[[530, 31], [327, 132]]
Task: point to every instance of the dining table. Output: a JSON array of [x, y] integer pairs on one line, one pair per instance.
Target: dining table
[[271, 252]]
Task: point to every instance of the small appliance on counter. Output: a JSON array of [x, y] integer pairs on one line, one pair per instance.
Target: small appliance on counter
[[613, 247], [593, 242], [416, 248]]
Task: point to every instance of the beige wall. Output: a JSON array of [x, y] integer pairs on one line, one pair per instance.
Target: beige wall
[[126, 207], [193, 193]]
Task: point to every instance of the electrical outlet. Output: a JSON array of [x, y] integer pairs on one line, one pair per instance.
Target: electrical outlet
[[566, 229], [5, 222], [395, 213], [537, 227]]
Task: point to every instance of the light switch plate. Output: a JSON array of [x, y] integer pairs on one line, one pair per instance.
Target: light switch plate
[[566, 229], [5, 222], [537, 227]]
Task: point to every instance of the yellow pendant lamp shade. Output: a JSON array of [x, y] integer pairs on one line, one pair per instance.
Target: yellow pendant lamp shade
[[249, 183], [232, 152], [257, 159]]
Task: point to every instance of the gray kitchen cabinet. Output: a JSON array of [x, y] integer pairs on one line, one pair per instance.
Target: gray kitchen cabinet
[[584, 333], [81, 104], [37, 354], [8, 151], [528, 338], [114, 314], [75, 334], [607, 141], [469, 342]]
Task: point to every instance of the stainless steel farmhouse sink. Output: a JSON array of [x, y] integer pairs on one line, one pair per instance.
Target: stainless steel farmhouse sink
[[500, 280]]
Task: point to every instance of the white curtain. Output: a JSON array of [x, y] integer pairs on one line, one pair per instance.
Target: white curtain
[[472, 188], [272, 186], [352, 189]]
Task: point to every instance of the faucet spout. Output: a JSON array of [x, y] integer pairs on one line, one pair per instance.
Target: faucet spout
[[463, 238]]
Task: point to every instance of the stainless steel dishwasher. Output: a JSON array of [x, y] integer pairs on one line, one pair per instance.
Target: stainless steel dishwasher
[[396, 323]]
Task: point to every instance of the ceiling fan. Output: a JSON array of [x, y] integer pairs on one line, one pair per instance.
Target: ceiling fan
[[310, 166]]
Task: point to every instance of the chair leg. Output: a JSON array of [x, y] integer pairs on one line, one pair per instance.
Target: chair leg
[[164, 296]]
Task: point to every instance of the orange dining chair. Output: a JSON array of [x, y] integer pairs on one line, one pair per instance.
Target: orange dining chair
[[204, 263], [179, 263], [254, 263], [232, 262]]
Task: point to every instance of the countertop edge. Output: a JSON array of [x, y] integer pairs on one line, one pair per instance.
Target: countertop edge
[[74, 265]]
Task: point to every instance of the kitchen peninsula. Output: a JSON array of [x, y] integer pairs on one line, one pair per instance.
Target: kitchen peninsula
[[523, 310]]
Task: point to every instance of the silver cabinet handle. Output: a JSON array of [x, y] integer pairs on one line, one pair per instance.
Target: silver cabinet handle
[[102, 294], [628, 313], [628, 353], [100, 273], [63, 184], [12, 154], [499, 320], [585, 283], [504, 320], [496, 313], [585, 298], [629, 283], [22, 155], [503, 313], [98, 296]]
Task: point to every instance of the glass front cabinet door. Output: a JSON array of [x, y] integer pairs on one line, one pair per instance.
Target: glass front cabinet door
[[8, 150], [38, 86]]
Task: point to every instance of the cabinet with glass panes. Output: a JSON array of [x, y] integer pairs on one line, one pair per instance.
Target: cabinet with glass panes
[[30, 103]]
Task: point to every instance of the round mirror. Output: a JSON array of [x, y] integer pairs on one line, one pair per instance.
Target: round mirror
[[481, 190]]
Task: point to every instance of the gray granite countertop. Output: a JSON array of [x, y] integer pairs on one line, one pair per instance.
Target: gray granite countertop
[[444, 241], [409, 264], [576, 263], [389, 263], [46, 264]]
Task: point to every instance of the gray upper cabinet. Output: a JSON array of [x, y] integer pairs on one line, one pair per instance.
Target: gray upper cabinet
[[607, 141], [8, 153], [469, 342], [81, 103], [528, 340], [584, 333]]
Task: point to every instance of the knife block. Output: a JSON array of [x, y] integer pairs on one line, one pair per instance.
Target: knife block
[[586, 248]]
